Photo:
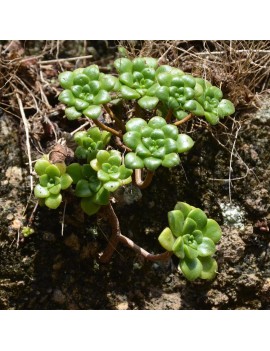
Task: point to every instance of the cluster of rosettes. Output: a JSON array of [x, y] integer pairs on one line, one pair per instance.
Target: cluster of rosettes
[[52, 179], [95, 181], [85, 90], [88, 187], [90, 142], [192, 238], [182, 93], [154, 143], [163, 87]]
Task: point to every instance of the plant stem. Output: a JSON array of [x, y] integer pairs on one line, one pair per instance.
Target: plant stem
[[169, 116], [108, 129], [120, 144], [114, 239], [117, 237], [117, 120], [142, 184], [187, 118], [150, 257]]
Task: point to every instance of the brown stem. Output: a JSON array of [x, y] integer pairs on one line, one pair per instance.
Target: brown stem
[[150, 257], [119, 143], [117, 120], [108, 129], [114, 239], [117, 237], [142, 184], [169, 116], [187, 118]]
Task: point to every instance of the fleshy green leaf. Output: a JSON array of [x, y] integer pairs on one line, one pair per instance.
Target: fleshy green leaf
[[190, 252], [225, 108], [178, 248], [123, 65], [82, 189], [166, 239], [80, 104], [55, 189], [94, 86], [71, 113], [189, 226], [170, 131], [212, 230], [128, 93], [67, 98], [164, 78], [191, 269], [184, 143], [92, 72], [108, 82], [152, 163], [43, 180], [126, 78], [92, 111], [214, 92], [112, 185], [157, 134], [132, 139], [142, 151], [148, 102], [199, 217], [157, 122], [41, 165], [102, 197], [176, 222], [171, 160], [66, 79], [184, 208], [133, 161], [162, 93], [52, 171], [159, 153], [103, 97], [89, 207], [135, 124], [66, 181], [206, 248], [76, 90], [211, 117], [170, 145], [103, 156], [41, 192], [53, 201], [75, 171], [209, 267], [198, 236], [103, 176], [81, 79]]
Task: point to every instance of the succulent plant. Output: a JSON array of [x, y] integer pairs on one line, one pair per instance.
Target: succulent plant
[[88, 187], [90, 142], [191, 236], [110, 170], [85, 90], [214, 106], [178, 91], [138, 79], [52, 179], [154, 143]]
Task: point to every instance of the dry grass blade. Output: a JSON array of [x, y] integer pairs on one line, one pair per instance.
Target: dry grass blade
[[26, 128]]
